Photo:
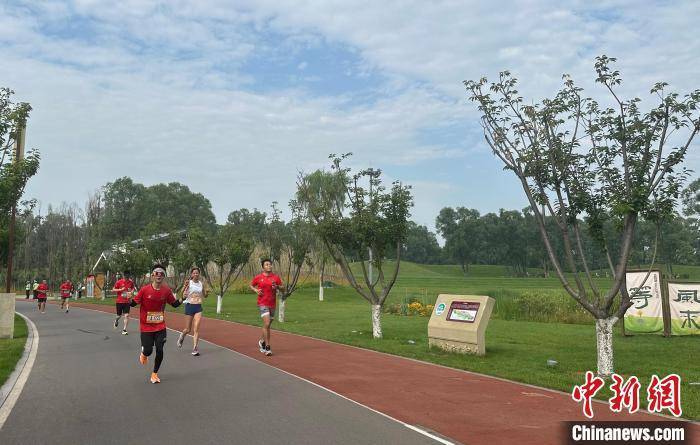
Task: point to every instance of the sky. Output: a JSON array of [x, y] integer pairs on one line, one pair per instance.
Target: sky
[[235, 98]]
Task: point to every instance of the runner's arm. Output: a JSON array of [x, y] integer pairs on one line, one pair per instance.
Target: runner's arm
[[254, 287], [280, 285], [136, 300], [172, 301]]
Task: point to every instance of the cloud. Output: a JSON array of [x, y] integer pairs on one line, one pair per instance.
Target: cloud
[[173, 91]]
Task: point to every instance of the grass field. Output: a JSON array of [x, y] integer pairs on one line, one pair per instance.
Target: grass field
[[516, 350], [11, 349]]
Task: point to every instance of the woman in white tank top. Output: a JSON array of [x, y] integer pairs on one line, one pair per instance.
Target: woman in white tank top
[[194, 292]]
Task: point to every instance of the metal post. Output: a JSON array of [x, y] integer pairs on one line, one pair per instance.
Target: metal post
[[19, 151], [10, 249]]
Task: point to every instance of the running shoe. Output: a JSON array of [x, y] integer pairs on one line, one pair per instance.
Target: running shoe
[[268, 351], [143, 359], [66, 311], [261, 345], [116, 323], [124, 332], [180, 339], [195, 352], [154, 378]]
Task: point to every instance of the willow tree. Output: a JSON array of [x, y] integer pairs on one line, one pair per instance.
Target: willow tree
[[326, 190], [359, 231], [579, 160]]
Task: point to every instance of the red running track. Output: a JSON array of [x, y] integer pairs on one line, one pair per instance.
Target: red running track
[[470, 408]]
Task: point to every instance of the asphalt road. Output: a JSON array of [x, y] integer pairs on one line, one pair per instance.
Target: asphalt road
[[87, 387]]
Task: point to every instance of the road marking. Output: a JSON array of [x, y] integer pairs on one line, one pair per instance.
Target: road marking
[[409, 426], [18, 385]]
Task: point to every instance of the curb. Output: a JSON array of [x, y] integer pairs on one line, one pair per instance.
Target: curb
[[10, 391]]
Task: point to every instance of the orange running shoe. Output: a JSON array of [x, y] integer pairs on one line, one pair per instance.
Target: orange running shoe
[[143, 359], [154, 378]]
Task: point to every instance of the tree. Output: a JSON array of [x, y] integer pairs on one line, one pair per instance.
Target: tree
[[134, 260], [691, 209], [228, 249], [125, 207], [691, 199], [15, 170], [421, 245], [326, 190], [296, 238], [579, 159], [463, 234], [372, 221]]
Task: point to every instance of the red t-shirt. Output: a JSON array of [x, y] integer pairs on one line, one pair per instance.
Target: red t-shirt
[[126, 283], [65, 290], [152, 311], [265, 282], [43, 289]]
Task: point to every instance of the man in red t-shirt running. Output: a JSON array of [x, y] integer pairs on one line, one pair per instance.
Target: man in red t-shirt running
[[152, 298], [65, 289], [42, 292], [124, 288], [266, 285]]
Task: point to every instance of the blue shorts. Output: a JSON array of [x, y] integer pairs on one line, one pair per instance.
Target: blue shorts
[[267, 310], [191, 309]]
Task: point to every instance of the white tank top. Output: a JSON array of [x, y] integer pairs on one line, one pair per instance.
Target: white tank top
[[195, 293]]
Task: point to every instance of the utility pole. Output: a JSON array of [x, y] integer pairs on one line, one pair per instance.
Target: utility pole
[[19, 153]]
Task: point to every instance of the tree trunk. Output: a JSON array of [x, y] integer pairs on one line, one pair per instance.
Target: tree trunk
[[320, 283], [283, 304], [218, 304], [376, 321], [604, 337]]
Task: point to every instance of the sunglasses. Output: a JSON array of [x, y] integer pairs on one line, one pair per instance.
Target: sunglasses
[[159, 274]]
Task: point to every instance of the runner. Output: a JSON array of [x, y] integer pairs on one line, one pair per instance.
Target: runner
[[193, 290], [266, 285], [124, 288], [42, 292], [65, 289], [35, 289], [152, 298], [28, 289]]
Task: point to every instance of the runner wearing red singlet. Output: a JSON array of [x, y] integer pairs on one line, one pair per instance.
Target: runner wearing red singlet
[[124, 288], [152, 298], [42, 292], [65, 289], [266, 285]]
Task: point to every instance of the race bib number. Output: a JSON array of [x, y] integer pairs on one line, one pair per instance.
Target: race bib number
[[195, 299], [155, 317]]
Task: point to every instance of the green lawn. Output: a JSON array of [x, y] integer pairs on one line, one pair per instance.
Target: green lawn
[[11, 349], [516, 350]]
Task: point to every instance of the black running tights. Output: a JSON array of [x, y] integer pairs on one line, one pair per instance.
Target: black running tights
[[150, 339]]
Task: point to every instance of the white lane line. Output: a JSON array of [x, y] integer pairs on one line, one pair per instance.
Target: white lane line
[[26, 363], [409, 426]]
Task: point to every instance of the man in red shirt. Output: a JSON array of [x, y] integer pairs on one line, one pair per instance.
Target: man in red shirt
[[152, 298], [124, 288], [266, 285], [65, 289], [41, 293]]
